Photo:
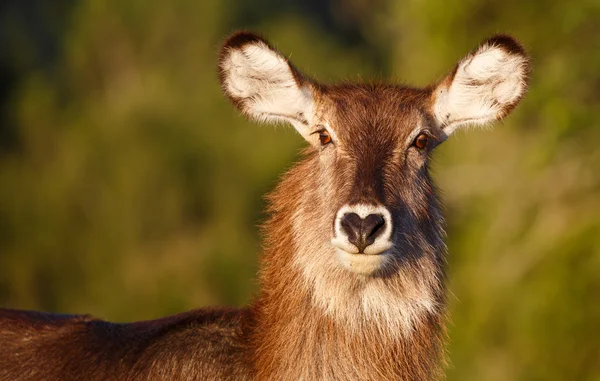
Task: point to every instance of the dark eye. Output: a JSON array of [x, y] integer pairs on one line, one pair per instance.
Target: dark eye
[[324, 137], [421, 141]]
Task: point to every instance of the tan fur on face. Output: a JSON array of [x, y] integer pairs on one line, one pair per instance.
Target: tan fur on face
[[354, 336], [401, 308], [394, 304]]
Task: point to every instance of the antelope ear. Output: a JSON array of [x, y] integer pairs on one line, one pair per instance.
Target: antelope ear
[[263, 84], [485, 85]]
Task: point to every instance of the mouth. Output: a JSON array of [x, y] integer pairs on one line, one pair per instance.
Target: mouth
[[364, 264]]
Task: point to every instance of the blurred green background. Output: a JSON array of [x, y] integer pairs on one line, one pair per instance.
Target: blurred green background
[[131, 189]]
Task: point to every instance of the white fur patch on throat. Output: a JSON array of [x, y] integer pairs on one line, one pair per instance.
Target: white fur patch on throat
[[396, 307]]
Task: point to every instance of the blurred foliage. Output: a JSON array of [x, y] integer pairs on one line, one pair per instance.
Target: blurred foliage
[[130, 189]]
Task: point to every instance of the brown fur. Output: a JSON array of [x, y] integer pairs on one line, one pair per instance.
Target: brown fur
[[313, 319], [316, 346], [37, 346]]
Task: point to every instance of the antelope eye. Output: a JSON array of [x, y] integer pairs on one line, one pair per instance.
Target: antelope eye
[[421, 141], [324, 137]]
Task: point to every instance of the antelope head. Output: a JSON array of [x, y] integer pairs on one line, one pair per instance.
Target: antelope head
[[369, 225]]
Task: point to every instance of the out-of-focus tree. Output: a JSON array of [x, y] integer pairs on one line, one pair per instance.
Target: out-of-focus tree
[[137, 189]]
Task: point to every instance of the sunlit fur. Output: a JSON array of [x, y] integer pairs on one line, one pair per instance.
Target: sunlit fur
[[394, 316], [314, 317]]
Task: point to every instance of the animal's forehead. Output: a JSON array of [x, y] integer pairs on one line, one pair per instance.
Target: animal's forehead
[[384, 113]]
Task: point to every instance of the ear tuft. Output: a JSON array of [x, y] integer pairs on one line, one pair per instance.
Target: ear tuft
[[485, 85], [262, 83], [241, 38], [505, 42]]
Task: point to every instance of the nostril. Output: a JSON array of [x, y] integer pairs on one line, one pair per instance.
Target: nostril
[[351, 223], [362, 232], [373, 226]]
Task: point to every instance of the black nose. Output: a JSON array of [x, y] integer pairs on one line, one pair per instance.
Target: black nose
[[362, 232]]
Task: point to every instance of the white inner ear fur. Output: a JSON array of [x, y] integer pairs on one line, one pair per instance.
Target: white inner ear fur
[[262, 80], [486, 84]]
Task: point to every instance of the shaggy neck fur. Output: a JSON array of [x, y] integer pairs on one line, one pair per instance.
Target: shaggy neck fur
[[345, 336]]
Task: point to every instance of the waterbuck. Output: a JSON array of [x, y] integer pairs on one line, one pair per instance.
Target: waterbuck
[[352, 275]]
